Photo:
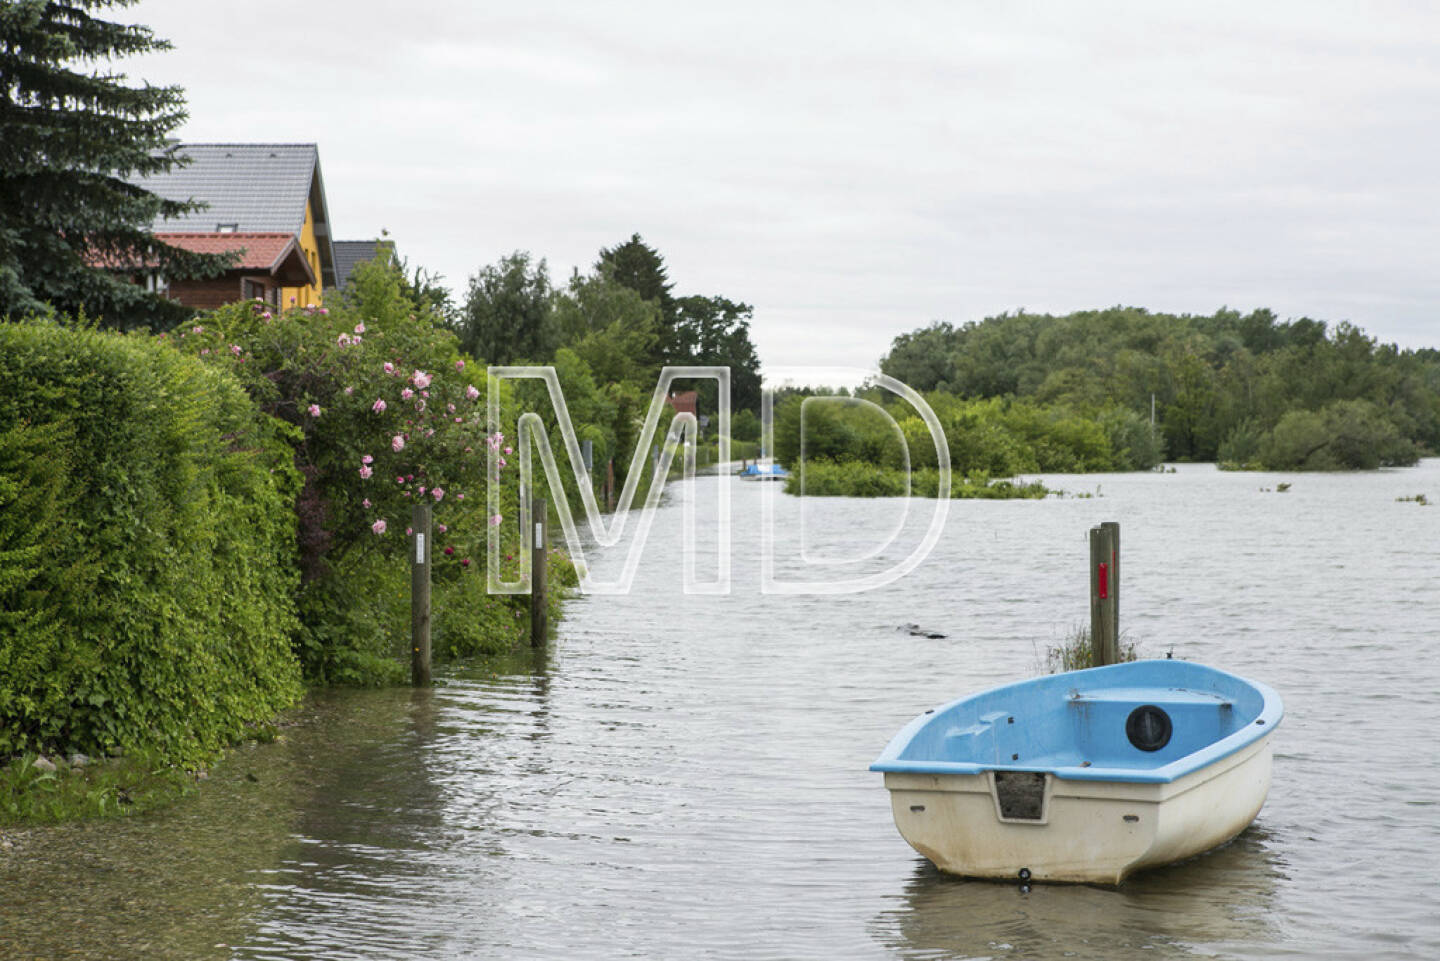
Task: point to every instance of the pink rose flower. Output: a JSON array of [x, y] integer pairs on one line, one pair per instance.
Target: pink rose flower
[[367, 459], [495, 520], [314, 410], [360, 327], [406, 394], [365, 471], [397, 443], [420, 379], [471, 393], [459, 365], [379, 406], [365, 503], [438, 493], [449, 550], [379, 526], [389, 367]]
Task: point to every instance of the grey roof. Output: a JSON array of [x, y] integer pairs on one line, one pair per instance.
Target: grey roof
[[257, 187], [348, 253]]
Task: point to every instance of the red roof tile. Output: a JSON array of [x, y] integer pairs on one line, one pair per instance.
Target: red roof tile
[[276, 254], [262, 251]]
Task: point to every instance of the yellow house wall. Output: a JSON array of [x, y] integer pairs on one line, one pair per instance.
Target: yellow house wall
[[306, 296]]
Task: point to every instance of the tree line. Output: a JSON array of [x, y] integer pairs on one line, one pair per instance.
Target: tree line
[[623, 320], [1243, 389]]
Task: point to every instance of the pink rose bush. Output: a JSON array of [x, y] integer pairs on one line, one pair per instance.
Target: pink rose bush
[[369, 392]]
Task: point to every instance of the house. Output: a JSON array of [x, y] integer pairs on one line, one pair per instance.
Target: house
[[272, 267], [266, 200], [348, 253], [684, 402]]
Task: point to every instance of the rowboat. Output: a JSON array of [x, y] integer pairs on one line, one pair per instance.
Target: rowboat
[[1086, 776], [763, 472]]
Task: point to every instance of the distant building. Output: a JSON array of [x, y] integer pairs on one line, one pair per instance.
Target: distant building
[[348, 253], [684, 402], [266, 200]]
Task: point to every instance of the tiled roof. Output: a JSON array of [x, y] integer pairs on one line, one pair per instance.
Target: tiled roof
[[254, 186], [261, 251], [348, 253], [273, 252]]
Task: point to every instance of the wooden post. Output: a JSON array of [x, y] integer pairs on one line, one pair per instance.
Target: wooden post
[[610, 484], [523, 514], [1114, 528], [540, 514], [1104, 593], [420, 596]]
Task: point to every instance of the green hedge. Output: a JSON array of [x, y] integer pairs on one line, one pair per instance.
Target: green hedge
[[147, 567]]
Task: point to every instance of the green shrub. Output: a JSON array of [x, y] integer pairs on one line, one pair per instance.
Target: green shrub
[[146, 551], [1343, 435], [381, 412]]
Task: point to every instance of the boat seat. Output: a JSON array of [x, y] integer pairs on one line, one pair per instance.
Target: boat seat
[[1123, 722]]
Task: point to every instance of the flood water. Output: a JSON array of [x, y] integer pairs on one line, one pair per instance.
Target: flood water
[[685, 776]]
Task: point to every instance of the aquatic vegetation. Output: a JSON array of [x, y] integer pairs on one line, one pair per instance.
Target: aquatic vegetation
[[1074, 653]]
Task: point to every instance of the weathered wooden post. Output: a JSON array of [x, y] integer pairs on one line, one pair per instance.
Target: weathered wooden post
[[1104, 593], [610, 484], [1114, 528], [420, 596], [524, 517], [540, 513]]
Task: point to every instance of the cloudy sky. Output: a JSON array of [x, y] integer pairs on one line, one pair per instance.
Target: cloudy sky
[[855, 170]]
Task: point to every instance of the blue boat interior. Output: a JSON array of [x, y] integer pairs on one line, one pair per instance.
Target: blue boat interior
[[1141, 721]]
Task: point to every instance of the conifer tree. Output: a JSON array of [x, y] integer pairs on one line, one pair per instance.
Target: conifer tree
[[73, 137]]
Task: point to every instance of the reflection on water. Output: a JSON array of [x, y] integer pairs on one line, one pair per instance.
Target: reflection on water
[[685, 776], [1224, 897]]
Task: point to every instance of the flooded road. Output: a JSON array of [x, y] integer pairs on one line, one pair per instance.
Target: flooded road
[[685, 776]]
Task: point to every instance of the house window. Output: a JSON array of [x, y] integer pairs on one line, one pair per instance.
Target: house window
[[226, 228], [253, 290]]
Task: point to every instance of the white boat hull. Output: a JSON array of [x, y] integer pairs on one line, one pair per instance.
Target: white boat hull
[[1095, 832]]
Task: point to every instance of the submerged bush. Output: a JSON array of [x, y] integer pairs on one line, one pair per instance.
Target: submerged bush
[[823, 478], [146, 549], [1344, 435]]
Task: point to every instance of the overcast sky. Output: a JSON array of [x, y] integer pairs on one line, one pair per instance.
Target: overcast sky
[[856, 170]]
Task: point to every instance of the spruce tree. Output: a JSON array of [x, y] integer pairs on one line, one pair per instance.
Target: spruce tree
[[72, 138], [637, 265]]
